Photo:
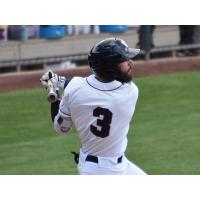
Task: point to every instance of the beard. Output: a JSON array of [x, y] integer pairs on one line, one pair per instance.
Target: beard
[[124, 77]]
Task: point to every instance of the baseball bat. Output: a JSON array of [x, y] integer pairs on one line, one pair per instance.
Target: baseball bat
[[52, 94]]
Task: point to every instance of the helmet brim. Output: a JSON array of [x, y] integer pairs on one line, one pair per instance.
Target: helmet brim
[[132, 52]]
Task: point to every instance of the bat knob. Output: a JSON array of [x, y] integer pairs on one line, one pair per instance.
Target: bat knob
[[52, 95]]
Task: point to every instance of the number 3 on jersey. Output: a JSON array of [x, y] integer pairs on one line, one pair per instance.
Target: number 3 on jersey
[[102, 122]]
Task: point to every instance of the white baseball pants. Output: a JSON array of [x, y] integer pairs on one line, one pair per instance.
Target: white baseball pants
[[107, 166]]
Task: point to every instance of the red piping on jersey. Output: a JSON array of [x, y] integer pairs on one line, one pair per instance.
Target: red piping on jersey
[[100, 89]]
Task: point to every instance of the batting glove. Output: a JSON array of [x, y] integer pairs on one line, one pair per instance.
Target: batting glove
[[57, 81]]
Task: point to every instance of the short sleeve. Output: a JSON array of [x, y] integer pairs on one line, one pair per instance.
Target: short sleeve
[[64, 110]]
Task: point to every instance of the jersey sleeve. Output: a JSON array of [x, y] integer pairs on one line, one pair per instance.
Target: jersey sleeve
[[63, 121], [62, 125], [64, 109]]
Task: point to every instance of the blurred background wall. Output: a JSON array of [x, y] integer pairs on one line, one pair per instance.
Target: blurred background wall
[[31, 47]]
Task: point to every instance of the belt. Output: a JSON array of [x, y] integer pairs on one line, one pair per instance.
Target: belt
[[94, 159]]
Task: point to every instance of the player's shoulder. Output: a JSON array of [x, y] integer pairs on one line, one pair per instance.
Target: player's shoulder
[[75, 83], [134, 88], [77, 80], [132, 85]]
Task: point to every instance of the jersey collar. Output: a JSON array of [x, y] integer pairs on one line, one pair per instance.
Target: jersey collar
[[96, 84]]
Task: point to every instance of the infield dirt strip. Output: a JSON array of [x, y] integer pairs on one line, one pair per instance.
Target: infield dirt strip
[[28, 80]]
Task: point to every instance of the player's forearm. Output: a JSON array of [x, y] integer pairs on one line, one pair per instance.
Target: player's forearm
[[55, 105], [54, 109]]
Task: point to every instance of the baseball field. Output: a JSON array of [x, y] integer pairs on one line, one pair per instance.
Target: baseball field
[[163, 137]]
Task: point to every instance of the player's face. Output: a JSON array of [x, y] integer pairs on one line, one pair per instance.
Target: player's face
[[126, 69]]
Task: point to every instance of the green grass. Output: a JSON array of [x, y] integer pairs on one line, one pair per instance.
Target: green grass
[[163, 138], [28, 144]]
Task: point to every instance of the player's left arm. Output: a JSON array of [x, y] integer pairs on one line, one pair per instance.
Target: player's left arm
[[62, 124], [62, 120], [55, 105]]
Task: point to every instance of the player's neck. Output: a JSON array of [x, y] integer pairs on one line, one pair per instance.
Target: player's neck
[[102, 79]]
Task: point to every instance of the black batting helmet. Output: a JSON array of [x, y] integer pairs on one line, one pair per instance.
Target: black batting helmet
[[105, 56]]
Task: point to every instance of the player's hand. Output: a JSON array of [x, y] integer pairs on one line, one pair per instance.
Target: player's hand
[[47, 76], [56, 80], [50, 81]]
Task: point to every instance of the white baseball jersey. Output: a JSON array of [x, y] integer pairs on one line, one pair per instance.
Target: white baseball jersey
[[101, 113]]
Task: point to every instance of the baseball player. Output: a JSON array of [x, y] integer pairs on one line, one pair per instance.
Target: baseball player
[[100, 107]]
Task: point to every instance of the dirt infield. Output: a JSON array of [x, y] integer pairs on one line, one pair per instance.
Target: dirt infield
[[26, 80]]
